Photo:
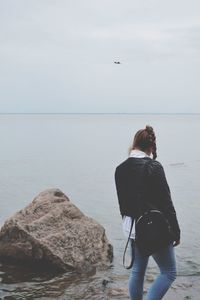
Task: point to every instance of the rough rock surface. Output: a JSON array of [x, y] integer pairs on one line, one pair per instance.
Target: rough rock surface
[[53, 231]]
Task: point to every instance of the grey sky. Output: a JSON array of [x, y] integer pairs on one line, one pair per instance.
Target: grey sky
[[57, 56]]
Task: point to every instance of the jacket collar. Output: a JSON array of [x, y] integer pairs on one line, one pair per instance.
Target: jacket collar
[[138, 154]]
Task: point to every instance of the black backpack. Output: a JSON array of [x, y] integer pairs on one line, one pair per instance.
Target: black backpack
[[153, 232]]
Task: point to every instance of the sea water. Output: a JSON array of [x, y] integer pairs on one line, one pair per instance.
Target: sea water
[[78, 154]]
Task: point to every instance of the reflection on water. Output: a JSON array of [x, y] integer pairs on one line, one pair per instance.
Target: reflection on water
[[19, 282]]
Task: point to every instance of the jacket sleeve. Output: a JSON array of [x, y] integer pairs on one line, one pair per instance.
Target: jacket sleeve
[[163, 199]]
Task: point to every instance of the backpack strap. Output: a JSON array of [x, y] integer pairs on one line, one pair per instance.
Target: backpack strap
[[132, 258]]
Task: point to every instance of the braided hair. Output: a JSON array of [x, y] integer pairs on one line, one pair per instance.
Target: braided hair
[[145, 139]]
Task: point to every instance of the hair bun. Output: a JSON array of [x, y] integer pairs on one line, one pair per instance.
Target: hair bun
[[149, 129]]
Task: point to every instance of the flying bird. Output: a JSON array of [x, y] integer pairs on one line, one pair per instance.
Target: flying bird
[[117, 62]]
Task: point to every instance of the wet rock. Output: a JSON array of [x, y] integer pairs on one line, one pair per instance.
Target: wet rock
[[52, 231], [105, 282], [118, 292]]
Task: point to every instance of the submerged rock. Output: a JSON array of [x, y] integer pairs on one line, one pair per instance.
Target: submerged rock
[[52, 231]]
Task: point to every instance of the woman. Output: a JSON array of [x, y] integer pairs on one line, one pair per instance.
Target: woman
[[140, 173]]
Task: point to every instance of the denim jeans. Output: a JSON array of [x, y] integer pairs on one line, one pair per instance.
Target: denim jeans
[[165, 260]]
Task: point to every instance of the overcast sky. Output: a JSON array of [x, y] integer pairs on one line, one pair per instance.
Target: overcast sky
[[58, 56]]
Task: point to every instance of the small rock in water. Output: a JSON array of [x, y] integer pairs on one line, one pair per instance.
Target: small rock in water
[[105, 282], [150, 278], [118, 292]]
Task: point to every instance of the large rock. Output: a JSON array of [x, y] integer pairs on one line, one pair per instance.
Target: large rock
[[54, 232]]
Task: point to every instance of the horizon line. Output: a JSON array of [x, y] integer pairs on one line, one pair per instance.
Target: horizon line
[[99, 113]]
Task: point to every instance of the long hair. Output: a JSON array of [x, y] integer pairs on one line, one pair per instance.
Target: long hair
[[145, 139]]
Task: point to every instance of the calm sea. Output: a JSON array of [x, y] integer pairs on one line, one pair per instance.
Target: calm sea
[[79, 154]]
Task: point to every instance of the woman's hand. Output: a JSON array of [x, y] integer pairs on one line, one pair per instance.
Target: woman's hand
[[176, 243]]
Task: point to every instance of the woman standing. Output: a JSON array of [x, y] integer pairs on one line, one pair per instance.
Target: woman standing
[[142, 174]]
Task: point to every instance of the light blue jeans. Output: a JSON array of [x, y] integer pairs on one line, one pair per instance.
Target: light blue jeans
[[166, 262]]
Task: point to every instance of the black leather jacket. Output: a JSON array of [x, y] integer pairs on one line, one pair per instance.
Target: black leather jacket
[[141, 182]]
